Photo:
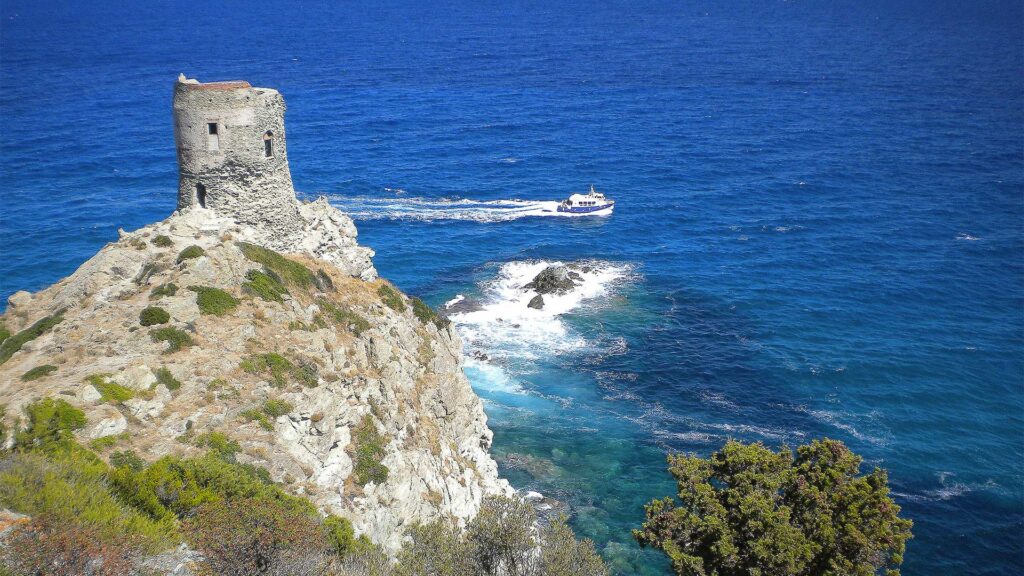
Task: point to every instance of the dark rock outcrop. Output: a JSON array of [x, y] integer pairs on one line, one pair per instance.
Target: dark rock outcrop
[[537, 302], [552, 280]]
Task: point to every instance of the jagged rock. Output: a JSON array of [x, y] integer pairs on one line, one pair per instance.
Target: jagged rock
[[19, 299], [552, 280], [112, 422], [536, 302]]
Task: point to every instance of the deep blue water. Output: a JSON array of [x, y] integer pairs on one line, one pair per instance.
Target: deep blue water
[[819, 229]]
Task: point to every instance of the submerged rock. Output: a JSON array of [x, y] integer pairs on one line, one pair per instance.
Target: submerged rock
[[552, 280]]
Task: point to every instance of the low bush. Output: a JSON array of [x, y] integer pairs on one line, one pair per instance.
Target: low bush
[[12, 344], [106, 442], [214, 300], [344, 317], [176, 339], [291, 273], [162, 241], [110, 391], [127, 459], [256, 415], [220, 443], [280, 368], [4, 332], [69, 486], [164, 376], [190, 253], [426, 314], [168, 289], [50, 422], [48, 545], [252, 536], [265, 286], [153, 315], [38, 372], [275, 407], [391, 298], [369, 451]]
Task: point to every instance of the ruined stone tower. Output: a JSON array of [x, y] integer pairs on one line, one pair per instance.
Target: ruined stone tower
[[232, 158]]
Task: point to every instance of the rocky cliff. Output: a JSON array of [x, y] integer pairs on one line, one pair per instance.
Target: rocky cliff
[[346, 390]]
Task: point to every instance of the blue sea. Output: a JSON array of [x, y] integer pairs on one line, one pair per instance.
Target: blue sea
[[819, 228]]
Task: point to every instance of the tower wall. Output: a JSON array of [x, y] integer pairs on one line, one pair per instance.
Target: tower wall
[[221, 131]]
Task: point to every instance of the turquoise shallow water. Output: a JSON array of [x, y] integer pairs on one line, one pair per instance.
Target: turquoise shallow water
[[819, 229]]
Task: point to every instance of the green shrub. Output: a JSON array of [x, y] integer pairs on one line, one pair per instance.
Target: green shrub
[[391, 297], [344, 317], [220, 443], [214, 300], [4, 332], [190, 253], [153, 315], [290, 272], [176, 339], [50, 422], [275, 407], [427, 314], [38, 372], [164, 376], [12, 344], [162, 241], [280, 368], [258, 536], [340, 534], [257, 415], [747, 509], [369, 451], [168, 289], [127, 459], [266, 286], [69, 486], [323, 281], [110, 391], [105, 442]]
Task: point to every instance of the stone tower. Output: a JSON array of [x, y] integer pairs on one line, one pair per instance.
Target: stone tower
[[232, 158]]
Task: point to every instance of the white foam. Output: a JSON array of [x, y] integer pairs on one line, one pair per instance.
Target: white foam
[[504, 326], [430, 209], [458, 298]]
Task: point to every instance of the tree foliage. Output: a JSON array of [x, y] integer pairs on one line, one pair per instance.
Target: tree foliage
[[747, 510]]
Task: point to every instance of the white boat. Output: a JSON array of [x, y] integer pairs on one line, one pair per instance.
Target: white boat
[[592, 201]]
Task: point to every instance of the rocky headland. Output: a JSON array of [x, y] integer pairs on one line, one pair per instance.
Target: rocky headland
[[347, 391]]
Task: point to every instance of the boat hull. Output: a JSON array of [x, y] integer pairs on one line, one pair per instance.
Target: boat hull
[[585, 209]]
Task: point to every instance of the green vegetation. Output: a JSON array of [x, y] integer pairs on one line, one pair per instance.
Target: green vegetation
[[176, 339], [106, 442], [12, 344], [190, 253], [256, 415], [266, 286], [749, 510], [500, 540], [369, 451], [220, 443], [164, 376], [38, 372], [146, 273], [323, 281], [168, 289], [275, 407], [50, 423], [391, 297], [4, 332], [110, 391], [127, 459], [344, 317], [289, 272], [162, 241], [214, 300], [153, 315], [281, 369], [427, 314]]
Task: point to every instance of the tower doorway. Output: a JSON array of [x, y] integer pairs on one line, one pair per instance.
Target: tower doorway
[[201, 195]]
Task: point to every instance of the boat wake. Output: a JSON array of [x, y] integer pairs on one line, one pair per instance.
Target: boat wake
[[430, 209]]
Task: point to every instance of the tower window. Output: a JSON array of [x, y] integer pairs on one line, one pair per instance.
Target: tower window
[[268, 144], [212, 138]]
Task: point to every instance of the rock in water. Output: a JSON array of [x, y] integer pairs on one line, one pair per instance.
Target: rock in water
[[552, 280], [537, 302]]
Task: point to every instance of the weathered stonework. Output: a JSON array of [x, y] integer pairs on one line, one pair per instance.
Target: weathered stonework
[[233, 163]]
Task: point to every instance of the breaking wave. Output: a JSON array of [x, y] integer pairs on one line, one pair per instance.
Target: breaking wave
[[430, 209]]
